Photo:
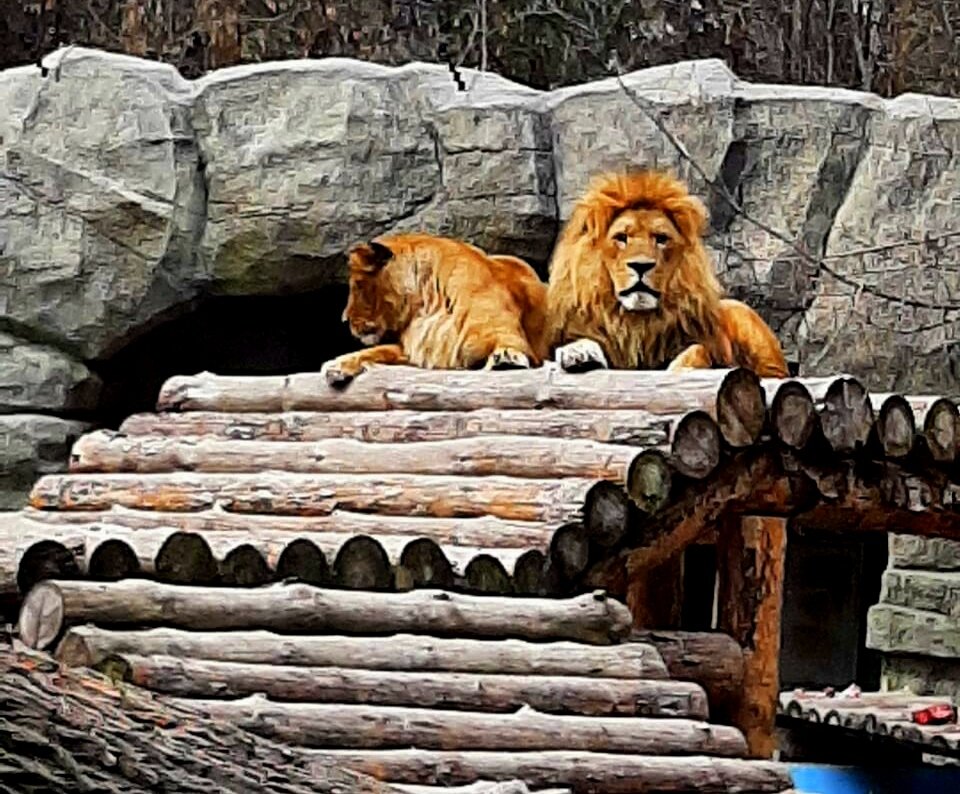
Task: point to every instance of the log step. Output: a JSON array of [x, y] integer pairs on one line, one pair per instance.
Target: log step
[[637, 428], [488, 692], [89, 646], [54, 605], [510, 498], [510, 456], [339, 725], [605, 773]]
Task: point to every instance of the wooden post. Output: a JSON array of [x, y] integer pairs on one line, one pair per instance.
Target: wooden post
[[751, 553]]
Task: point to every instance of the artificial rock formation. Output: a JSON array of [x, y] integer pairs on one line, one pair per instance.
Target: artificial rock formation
[[127, 193]]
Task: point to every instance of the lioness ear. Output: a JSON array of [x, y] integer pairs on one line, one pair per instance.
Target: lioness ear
[[372, 254], [689, 215]]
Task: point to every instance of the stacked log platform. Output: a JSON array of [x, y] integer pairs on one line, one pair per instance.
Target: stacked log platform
[[427, 688], [536, 483]]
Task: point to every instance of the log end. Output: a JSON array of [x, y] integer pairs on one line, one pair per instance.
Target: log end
[[741, 408], [896, 427], [941, 429], [41, 616], [695, 449], [847, 417], [649, 480], [793, 415]]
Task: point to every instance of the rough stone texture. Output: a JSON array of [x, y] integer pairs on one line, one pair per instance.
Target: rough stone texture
[[34, 377], [922, 676], [929, 591], [101, 199], [126, 191], [30, 446], [911, 551], [900, 630]]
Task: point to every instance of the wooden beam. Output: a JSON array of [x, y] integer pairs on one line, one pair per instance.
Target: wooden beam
[[87, 646], [52, 606], [489, 692], [586, 773], [355, 726], [752, 553], [413, 389], [105, 451], [282, 493]]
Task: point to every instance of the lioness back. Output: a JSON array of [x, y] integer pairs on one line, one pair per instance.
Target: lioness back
[[449, 303]]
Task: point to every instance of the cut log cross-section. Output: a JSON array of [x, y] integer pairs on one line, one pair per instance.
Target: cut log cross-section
[[53, 605]]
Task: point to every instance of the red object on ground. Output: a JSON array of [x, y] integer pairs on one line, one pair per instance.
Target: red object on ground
[[940, 714]]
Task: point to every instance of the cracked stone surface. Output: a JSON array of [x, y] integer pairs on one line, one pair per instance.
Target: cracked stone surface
[[38, 378], [32, 445], [126, 191]]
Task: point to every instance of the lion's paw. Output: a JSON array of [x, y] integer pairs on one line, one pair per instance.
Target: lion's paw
[[339, 372], [507, 358], [581, 356]]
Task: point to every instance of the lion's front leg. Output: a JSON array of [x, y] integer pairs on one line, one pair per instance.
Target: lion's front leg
[[341, 370], [581, 356], [694, 357]]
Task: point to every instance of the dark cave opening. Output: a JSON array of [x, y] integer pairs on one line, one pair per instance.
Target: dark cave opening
[[227, 335]]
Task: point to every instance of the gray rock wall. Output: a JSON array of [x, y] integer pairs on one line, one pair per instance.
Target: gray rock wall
[[128, 195]]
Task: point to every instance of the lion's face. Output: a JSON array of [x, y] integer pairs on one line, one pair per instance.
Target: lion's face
[[641, 247], [369, 311]]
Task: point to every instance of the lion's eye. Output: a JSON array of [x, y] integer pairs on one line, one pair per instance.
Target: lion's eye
[[621, 238], [661, 239]]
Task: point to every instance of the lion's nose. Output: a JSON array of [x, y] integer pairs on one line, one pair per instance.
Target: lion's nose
[[641, 266]]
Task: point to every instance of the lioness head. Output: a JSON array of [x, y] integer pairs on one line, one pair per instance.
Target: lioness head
[[647, 229], [370, 312]]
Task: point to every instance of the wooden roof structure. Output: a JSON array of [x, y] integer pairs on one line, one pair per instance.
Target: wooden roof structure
[[305, 561]]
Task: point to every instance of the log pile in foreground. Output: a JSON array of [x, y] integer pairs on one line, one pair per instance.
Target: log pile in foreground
[[71, 730]]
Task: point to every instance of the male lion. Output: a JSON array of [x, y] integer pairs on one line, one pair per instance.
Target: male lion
[[441, 304], [631, 286]]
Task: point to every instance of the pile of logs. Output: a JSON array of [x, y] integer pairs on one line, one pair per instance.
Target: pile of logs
[[555, 693], [524, 482]]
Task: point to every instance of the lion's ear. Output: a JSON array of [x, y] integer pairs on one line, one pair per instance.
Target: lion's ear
[[689, 215], [373, 254]]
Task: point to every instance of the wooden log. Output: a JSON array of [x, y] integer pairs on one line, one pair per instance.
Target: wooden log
[[244, 566], [486, 574], [570, 551], [475, 531], [635, 427], [695, 448], [741, 408], [511, 456], [529, 573], [89, 645], [362, 564], [52, 605], [586, 773], [113, 560], [359, 726], [423, 564], [606, 514], [413, 389], [750, 603], [480, 787], [649, 480], [304, 561], [793, 415], [497, 692], [754, 482], [72, 730], [317, 494], [186, 558], [847, 415], [896, 427], [712, 660], [941, 429]]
